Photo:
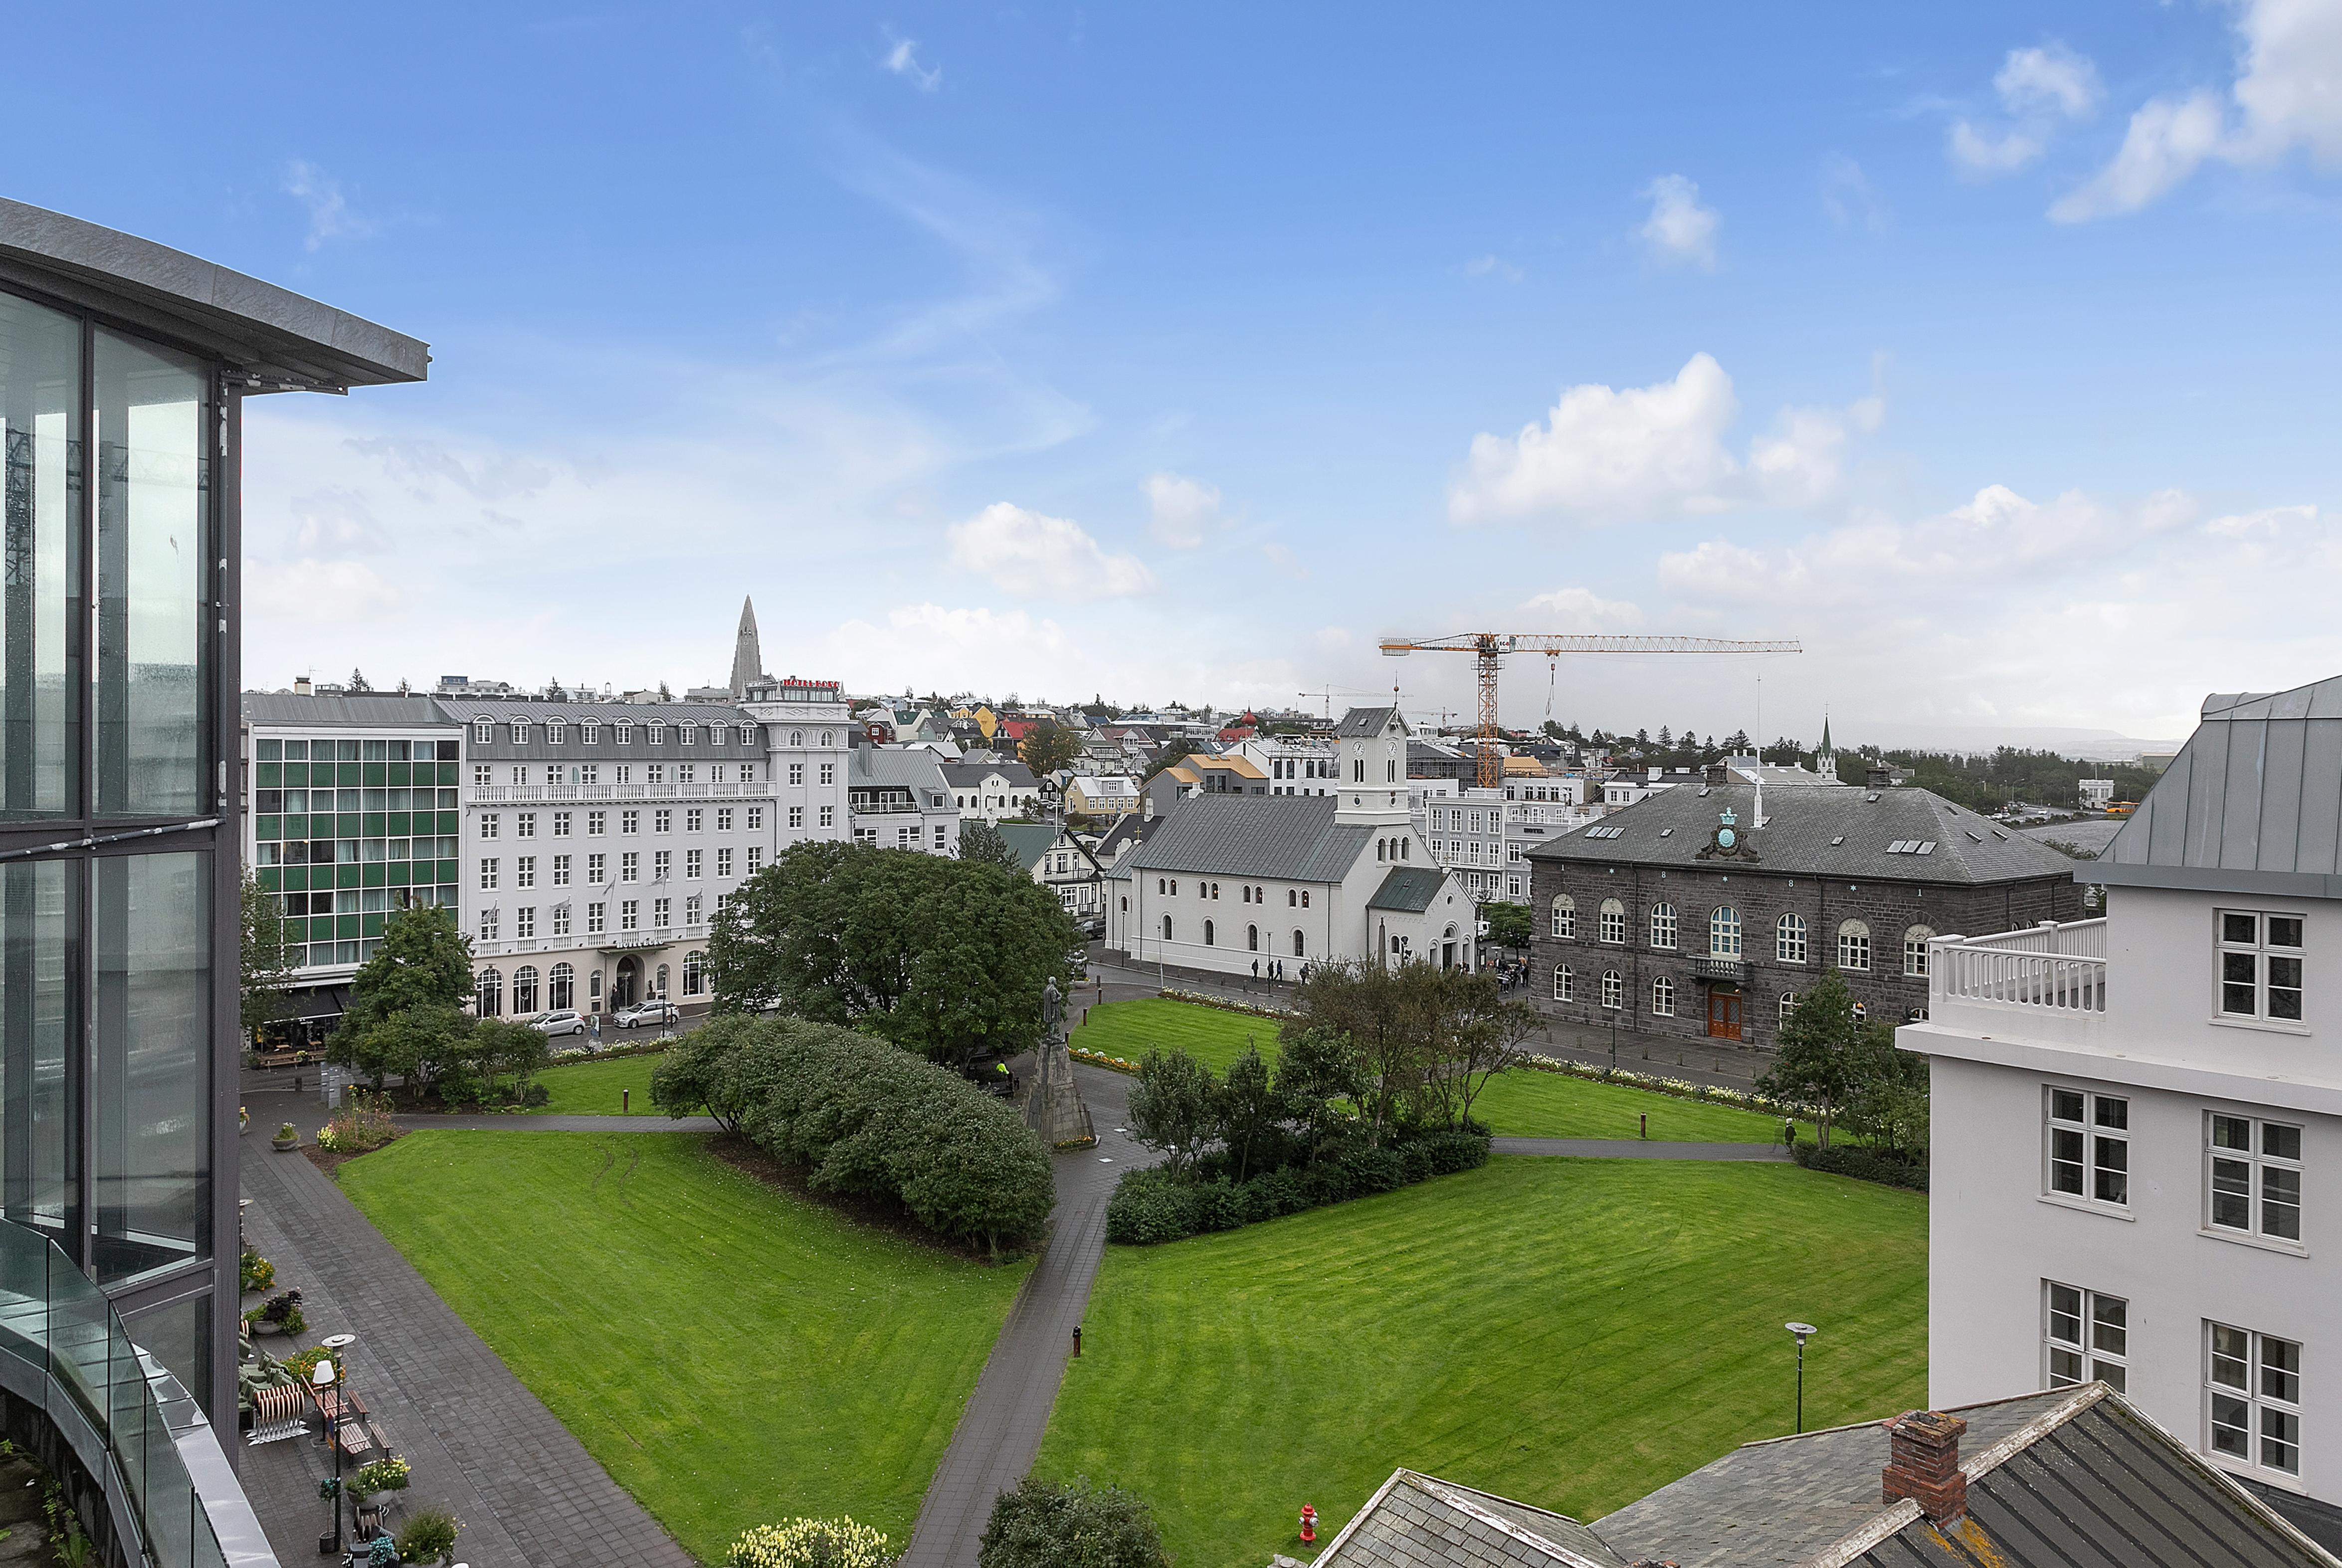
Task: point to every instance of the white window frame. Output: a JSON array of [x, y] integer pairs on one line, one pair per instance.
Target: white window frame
[[1724, 932], [598, 917], [1663, 996], [1788, 1004], [488, 875], [1614, 922], [1565, 984], [2261, 1175], [2259, 967], [1614, 990], [2252, 1398], [1854, 947], [1789, 939], [2094, 1138], [1665, 928], [1915, 951], [2084, 1337]]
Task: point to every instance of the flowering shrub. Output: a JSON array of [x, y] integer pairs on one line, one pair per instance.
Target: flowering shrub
[[1225, 1005], [1681, 1088], [385, 1474], [301, 1363], [810, 1543], [362, 1125]]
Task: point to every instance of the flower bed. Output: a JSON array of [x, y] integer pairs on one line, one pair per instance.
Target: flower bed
[[1100, 1059], [1226, 1005], [1680, 1088]]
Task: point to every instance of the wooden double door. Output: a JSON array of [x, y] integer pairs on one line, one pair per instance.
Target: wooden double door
[[1723, 1014]]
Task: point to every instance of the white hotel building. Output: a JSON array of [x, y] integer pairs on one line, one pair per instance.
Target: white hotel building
[[2137, 1119]]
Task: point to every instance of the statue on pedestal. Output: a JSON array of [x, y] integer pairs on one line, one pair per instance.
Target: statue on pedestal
[[1053, 1103]]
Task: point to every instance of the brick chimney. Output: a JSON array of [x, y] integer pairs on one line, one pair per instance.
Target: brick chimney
[[1923, 1464], [300, 685]]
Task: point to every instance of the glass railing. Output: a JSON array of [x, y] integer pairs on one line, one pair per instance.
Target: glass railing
[[120, 1413]]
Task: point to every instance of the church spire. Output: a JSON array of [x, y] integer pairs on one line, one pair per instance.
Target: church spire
[[747, 656], [1825, 754]]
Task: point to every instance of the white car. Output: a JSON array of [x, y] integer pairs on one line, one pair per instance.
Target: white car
[[646, 1013], [560, 1020]]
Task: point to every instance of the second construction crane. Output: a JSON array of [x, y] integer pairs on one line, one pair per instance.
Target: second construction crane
[[1492, 646]]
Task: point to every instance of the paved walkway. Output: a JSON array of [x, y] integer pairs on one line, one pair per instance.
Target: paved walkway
[[1639, 1149], [481, 1444], [999, 1433]]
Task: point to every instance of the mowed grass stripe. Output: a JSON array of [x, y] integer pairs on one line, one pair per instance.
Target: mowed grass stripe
[[1518, 1103], [1571, 1333], [730, 1354], [592, 1088]]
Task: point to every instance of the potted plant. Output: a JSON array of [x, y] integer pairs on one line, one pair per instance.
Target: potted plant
[[388, 1474], [280, 1314], [287, 1138], [242, 1119], [430, 1533]]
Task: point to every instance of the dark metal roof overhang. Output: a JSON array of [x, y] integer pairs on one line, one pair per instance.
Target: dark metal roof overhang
[[278, 340]]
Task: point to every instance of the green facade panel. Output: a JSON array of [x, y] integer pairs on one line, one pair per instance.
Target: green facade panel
[[345, 927], [271, 774], [374, 775], [448, 874], [399, 824], [346, 875], [374, 824], [268, 828], [296, 879], [296, 826], [374, 871], [270, 879], [397, 873]]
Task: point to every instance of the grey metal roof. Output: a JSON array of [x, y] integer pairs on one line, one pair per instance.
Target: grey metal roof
[[282, 339], [965, 776], [896, 767], [369, 712], [1360, 722], [1671, 827], [1293, 838], [1409, 889], [2252, 804], [1418, 1522]]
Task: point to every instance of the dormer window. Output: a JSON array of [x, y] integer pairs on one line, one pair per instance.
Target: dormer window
[[2261, 965]]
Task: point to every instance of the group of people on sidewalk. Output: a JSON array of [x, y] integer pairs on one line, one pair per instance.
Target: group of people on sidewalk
[[1275, 971]]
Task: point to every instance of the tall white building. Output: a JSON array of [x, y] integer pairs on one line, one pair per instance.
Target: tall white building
[[1483, 834], [2137, 1119]]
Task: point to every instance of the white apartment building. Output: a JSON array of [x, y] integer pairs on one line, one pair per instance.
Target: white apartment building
[[1483, 835], [987, 790], [1293, 764], [599, 840], [898, 799], [2137, 1119]]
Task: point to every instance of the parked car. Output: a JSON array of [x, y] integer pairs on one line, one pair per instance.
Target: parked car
[[643, 1012], [559, 1022]]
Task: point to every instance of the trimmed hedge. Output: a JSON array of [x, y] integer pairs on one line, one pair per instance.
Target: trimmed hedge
[[1152, 1204], [1862, 1165], [863, 1116]]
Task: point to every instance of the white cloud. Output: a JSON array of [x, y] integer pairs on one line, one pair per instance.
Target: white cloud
[[2287, 97], [1604, 455], [904, 61], [1029, 552], [330, 217], [1679, 230], [1183, 510], [1493, 267], [1849, 198], [925, 644], [319, 593], [2038, 88], [1582, 610]]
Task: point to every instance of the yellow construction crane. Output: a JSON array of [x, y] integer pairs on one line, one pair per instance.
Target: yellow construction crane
[[1492, 646]]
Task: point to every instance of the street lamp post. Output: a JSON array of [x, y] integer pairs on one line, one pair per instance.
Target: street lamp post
[[327, 1374], [1614, 1042], [1804, 1331]]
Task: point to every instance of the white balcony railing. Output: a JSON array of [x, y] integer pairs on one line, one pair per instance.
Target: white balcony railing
[[2058, 968], [532, 794]]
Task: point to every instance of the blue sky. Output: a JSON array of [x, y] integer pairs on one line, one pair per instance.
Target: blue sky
[[1988, 349]]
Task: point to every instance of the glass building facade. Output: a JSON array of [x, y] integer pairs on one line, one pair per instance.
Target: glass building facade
[[123, 371], [347, 832]]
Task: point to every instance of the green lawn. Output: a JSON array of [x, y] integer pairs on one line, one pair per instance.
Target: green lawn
[[591, 1088], [1521, 1104], [731, 1354], [1571, 1333]]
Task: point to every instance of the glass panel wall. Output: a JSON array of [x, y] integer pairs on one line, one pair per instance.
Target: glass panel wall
[[40, 1020], [153, 470], [40, 560], [151, 1174]]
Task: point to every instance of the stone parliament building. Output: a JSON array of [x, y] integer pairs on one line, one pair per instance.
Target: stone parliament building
[[1687, 917]]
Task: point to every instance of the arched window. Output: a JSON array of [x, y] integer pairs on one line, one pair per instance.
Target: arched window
[[1207, 934], [1565, 915], [561, 987], [483, 732], [824, 737], [1565, 984], [661, 991], [797, 737], [1663, 996], [488, 994], [1789, 939], [1724, 932], [1252, 939], [1380, 845], [1166, 928], [1299, 948], [1614, 989], [1614, 921], [1788, 1004], [1663, 925], [695, 974], [1915, 951], [1853, 945], [525, 989]]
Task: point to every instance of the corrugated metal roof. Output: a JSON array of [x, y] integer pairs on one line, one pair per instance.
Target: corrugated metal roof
[[964, 775], [1837, 833], [372, 712], [2252, 801], [1029, 841], [1409, 889], [896, 767], [1365, 721], [1293, 838]]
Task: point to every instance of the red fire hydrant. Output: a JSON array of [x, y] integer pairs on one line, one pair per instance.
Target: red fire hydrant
[[1309, 1522]]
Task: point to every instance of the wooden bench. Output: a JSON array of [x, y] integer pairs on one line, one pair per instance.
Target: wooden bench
[[344, 1413], [279, 1412], [286, 1058]]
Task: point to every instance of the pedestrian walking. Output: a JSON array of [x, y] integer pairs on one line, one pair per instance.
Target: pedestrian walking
[[1255, 969]]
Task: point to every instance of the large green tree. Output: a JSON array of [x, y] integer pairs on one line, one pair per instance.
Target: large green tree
[[1176, 1107], [266, 972], [981, 841], [1048, 747], [1819, 1060], [404, 1015], [1508, 924], [947, 958], [1070, 1525]]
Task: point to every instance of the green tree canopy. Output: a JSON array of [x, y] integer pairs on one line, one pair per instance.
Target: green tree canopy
[[266, 972], [1819, 1059], [1048, 746], [981, 841], [1070, 1525], [1508, 924]]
